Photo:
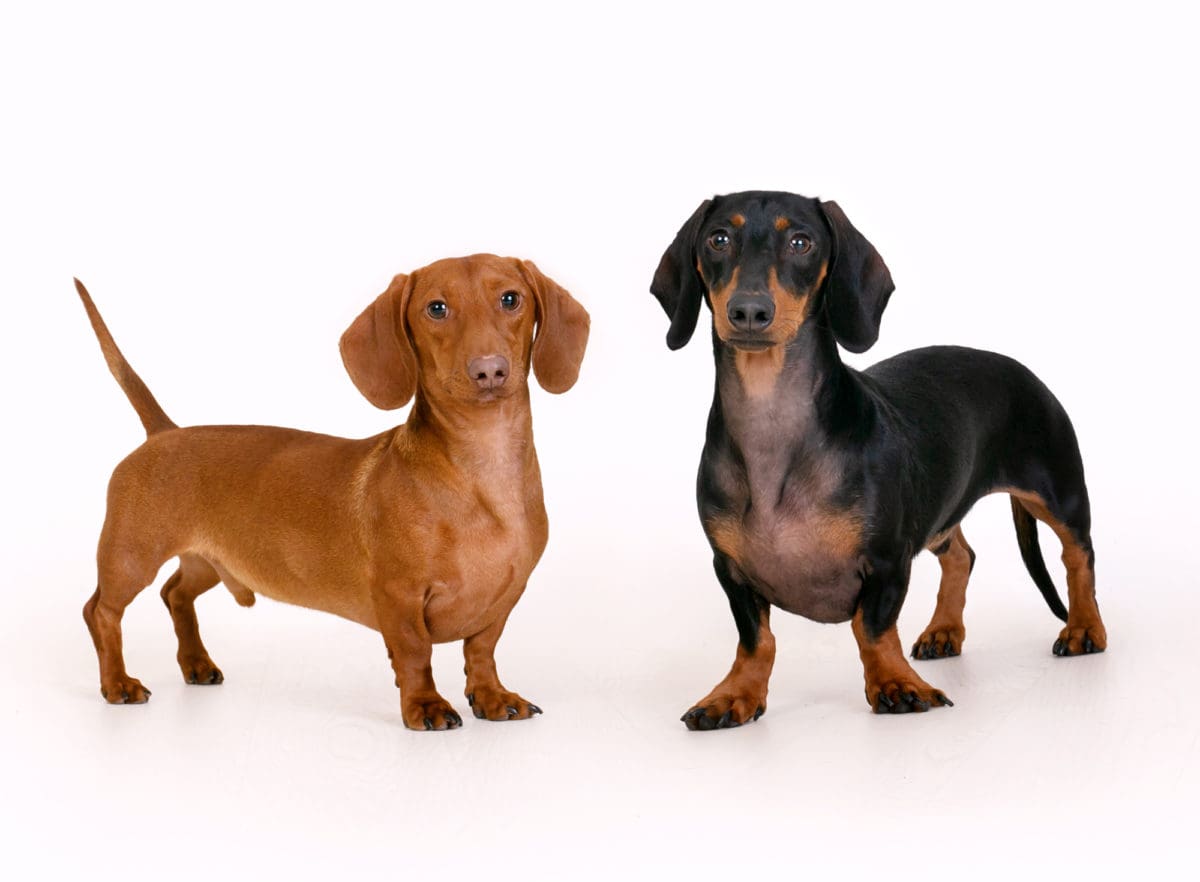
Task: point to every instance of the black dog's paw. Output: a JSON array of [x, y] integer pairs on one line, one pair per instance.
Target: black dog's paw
[[1081, 640], [939, 643], [723, 712]]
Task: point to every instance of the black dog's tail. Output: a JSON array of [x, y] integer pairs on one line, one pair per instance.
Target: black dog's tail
[[154, 418], [1031, 553]]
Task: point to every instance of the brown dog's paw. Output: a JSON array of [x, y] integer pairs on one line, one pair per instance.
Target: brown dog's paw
[[939, 643], [724, 711], [499, 705], [429, 713], [1081, 640], [903, 695], [200, 671], [125, 690]]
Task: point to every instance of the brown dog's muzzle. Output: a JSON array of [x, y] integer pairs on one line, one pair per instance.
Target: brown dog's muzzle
[[488, 372]]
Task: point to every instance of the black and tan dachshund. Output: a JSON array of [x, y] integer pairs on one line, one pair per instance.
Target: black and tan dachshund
[[819, 483]]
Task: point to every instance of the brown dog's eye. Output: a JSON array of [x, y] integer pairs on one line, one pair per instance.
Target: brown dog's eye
[[436, 309], [799, 243], [718, 240], [510, 300]]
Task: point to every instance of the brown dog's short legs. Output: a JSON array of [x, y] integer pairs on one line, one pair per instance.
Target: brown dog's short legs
[[892, 686], [945, 634], [486, 695], [103, 618], [193, 578], [410, 648]]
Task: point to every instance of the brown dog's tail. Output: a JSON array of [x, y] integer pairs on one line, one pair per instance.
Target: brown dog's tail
[[153, 417], [1031, 553]]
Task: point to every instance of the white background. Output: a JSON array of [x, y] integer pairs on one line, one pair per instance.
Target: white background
[[235, 182]]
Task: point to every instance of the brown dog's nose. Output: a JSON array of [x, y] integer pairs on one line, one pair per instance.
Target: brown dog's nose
[[488, 372]]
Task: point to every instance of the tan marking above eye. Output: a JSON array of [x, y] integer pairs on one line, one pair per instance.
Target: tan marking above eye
[[782, 223], [738, 220]]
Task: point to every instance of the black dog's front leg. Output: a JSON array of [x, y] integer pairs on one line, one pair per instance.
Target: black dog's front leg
[[892, 686], [742, 696]]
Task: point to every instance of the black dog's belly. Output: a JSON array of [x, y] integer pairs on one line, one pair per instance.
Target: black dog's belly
[[817, 590]]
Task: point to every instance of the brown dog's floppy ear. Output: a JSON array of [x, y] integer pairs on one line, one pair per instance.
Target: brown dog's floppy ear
[[562, 332], [677, 284], [857, 286], [377, 351]]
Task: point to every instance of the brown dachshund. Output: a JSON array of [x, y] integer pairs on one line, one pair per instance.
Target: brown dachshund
[[426, 533]]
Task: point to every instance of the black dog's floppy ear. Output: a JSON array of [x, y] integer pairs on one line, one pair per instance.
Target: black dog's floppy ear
[[857, 286], [677, 283]]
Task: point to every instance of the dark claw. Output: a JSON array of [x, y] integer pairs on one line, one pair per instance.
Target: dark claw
[[704, 722], [1088, 645], [512, 711], [192, 678], [471, 700], [478, 713], [1060, 646], [428, 725], [951, 650], [944, 699], [534, 709], [453, 720], [885, 701], [691, 714], [759, 711], [918, 702], [726, 721]]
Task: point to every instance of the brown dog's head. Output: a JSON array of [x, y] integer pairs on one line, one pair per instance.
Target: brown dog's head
[[463, 328], [767, 263]]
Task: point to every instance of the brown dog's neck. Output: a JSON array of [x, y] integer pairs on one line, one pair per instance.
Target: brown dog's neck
[[485, 437]]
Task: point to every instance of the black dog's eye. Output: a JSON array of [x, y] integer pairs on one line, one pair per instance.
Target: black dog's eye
[[436, 309], [510, 300], [718, 240], [800, 243]]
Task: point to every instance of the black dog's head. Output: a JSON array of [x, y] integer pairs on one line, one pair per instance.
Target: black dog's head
[[767, 263]]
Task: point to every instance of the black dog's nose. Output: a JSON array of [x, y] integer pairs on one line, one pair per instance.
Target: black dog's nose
[[488, 372], [750, 313]]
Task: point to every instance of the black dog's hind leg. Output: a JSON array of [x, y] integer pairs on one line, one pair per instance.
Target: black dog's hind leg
[[1084, 632], [892, 686], [946, 633], [742, 696]]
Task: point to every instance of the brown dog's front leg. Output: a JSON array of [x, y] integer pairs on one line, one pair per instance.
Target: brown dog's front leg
[[410, 648], [487, 696]]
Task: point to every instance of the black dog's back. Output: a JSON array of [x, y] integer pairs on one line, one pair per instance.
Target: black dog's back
[[979, 422]]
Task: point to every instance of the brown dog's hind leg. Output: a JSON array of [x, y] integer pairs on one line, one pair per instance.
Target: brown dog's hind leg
[[121, 578], [1084, 632], [193, 578], [742, 696], [945, 634], [486, 695]]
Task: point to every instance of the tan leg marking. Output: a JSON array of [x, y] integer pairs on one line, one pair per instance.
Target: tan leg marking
[[1084, 632], [742, 696], [945, 634], [892, 686]]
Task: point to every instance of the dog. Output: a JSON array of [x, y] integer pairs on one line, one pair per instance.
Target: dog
[[818, 484], [426, 533]]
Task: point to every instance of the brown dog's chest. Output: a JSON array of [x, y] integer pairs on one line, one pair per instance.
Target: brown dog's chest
[[484, 556]]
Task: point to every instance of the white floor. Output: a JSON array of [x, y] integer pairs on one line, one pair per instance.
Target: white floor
[[299, 765]]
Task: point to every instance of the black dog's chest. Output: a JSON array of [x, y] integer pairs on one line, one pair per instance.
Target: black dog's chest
[[778, 525]]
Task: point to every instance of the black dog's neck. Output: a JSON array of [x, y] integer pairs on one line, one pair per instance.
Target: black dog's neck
[[780, 410]]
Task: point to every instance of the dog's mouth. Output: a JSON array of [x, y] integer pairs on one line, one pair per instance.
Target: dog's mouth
[[751, 344]]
